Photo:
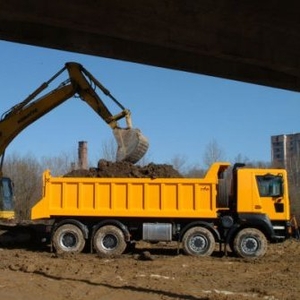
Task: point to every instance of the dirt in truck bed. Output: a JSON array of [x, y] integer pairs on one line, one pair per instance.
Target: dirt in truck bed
[[150, 272], [125, 169]]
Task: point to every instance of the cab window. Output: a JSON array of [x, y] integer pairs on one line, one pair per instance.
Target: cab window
[[6, 194], [270, 185]]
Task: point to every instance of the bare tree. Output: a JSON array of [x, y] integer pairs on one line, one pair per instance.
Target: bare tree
[[241, 159], [178, 162], [25, 172], [255, 164], [213, 153], [58, 165], [195, 172], [109, 150]]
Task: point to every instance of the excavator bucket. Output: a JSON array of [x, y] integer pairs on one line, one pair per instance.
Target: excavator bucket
[[132, 145]]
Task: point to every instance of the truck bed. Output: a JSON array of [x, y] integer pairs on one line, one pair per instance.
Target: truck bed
[[128, 197]]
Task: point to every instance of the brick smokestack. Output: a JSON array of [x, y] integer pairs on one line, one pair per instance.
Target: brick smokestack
[[82, 155]]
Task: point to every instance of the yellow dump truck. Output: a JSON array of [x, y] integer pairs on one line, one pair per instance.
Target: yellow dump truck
[[107, 214]]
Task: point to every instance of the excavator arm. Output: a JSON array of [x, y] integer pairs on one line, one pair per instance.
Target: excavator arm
[[132, 145]]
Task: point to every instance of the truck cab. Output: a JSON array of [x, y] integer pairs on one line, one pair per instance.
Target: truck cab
[[264, 191], [259, 210]]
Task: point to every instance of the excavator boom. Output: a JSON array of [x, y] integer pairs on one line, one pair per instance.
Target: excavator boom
[[131, 144]]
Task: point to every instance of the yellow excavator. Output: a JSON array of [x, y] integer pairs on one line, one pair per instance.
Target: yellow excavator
[[131, 143]]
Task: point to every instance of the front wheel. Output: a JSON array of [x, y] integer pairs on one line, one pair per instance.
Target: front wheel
[[198, 241], [250, 243], [68, 238], [109, 241]]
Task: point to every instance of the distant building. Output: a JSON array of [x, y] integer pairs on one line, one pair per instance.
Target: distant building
[[285, 149]]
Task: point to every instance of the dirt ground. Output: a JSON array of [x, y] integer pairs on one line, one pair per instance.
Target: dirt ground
[[149, 272]]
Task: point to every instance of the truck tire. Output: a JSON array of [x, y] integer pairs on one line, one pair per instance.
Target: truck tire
[[250, 243], [68, 238], [109, 241], [198, 241]]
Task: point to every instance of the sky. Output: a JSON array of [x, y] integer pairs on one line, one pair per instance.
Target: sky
[[180, 113]]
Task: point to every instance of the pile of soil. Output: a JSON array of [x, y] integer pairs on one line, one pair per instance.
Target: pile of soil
[[127, 169]]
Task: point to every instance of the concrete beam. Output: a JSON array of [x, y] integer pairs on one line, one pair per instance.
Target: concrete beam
[[252, 41]]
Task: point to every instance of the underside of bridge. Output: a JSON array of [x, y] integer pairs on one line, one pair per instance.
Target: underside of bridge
[[251, 40]]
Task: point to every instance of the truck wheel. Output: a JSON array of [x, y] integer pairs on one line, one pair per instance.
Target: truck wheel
[[198, 241], [109, 241], [250, 243], [68, 238]]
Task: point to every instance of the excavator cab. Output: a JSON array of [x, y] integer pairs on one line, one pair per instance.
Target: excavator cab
[[6, 198]]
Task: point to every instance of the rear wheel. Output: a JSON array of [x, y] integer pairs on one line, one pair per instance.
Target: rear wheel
[[68, 238], [198, 241], [109, 241], [250, 243]]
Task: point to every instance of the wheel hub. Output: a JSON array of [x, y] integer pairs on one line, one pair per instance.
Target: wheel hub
[[68, 240], [198, 243], [250, 245], [109, 241]]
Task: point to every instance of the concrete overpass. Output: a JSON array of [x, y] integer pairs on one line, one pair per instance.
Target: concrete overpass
[[251, 40]]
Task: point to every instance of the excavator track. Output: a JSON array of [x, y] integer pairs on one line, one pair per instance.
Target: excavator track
[[132, 145]]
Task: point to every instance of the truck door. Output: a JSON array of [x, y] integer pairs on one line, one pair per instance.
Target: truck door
[[273, 195]]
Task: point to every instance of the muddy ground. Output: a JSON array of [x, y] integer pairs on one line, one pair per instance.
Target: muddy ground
[[149, 272]]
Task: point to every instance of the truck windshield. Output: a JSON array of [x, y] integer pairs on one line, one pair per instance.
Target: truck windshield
[[270, 185], [6, 194]]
